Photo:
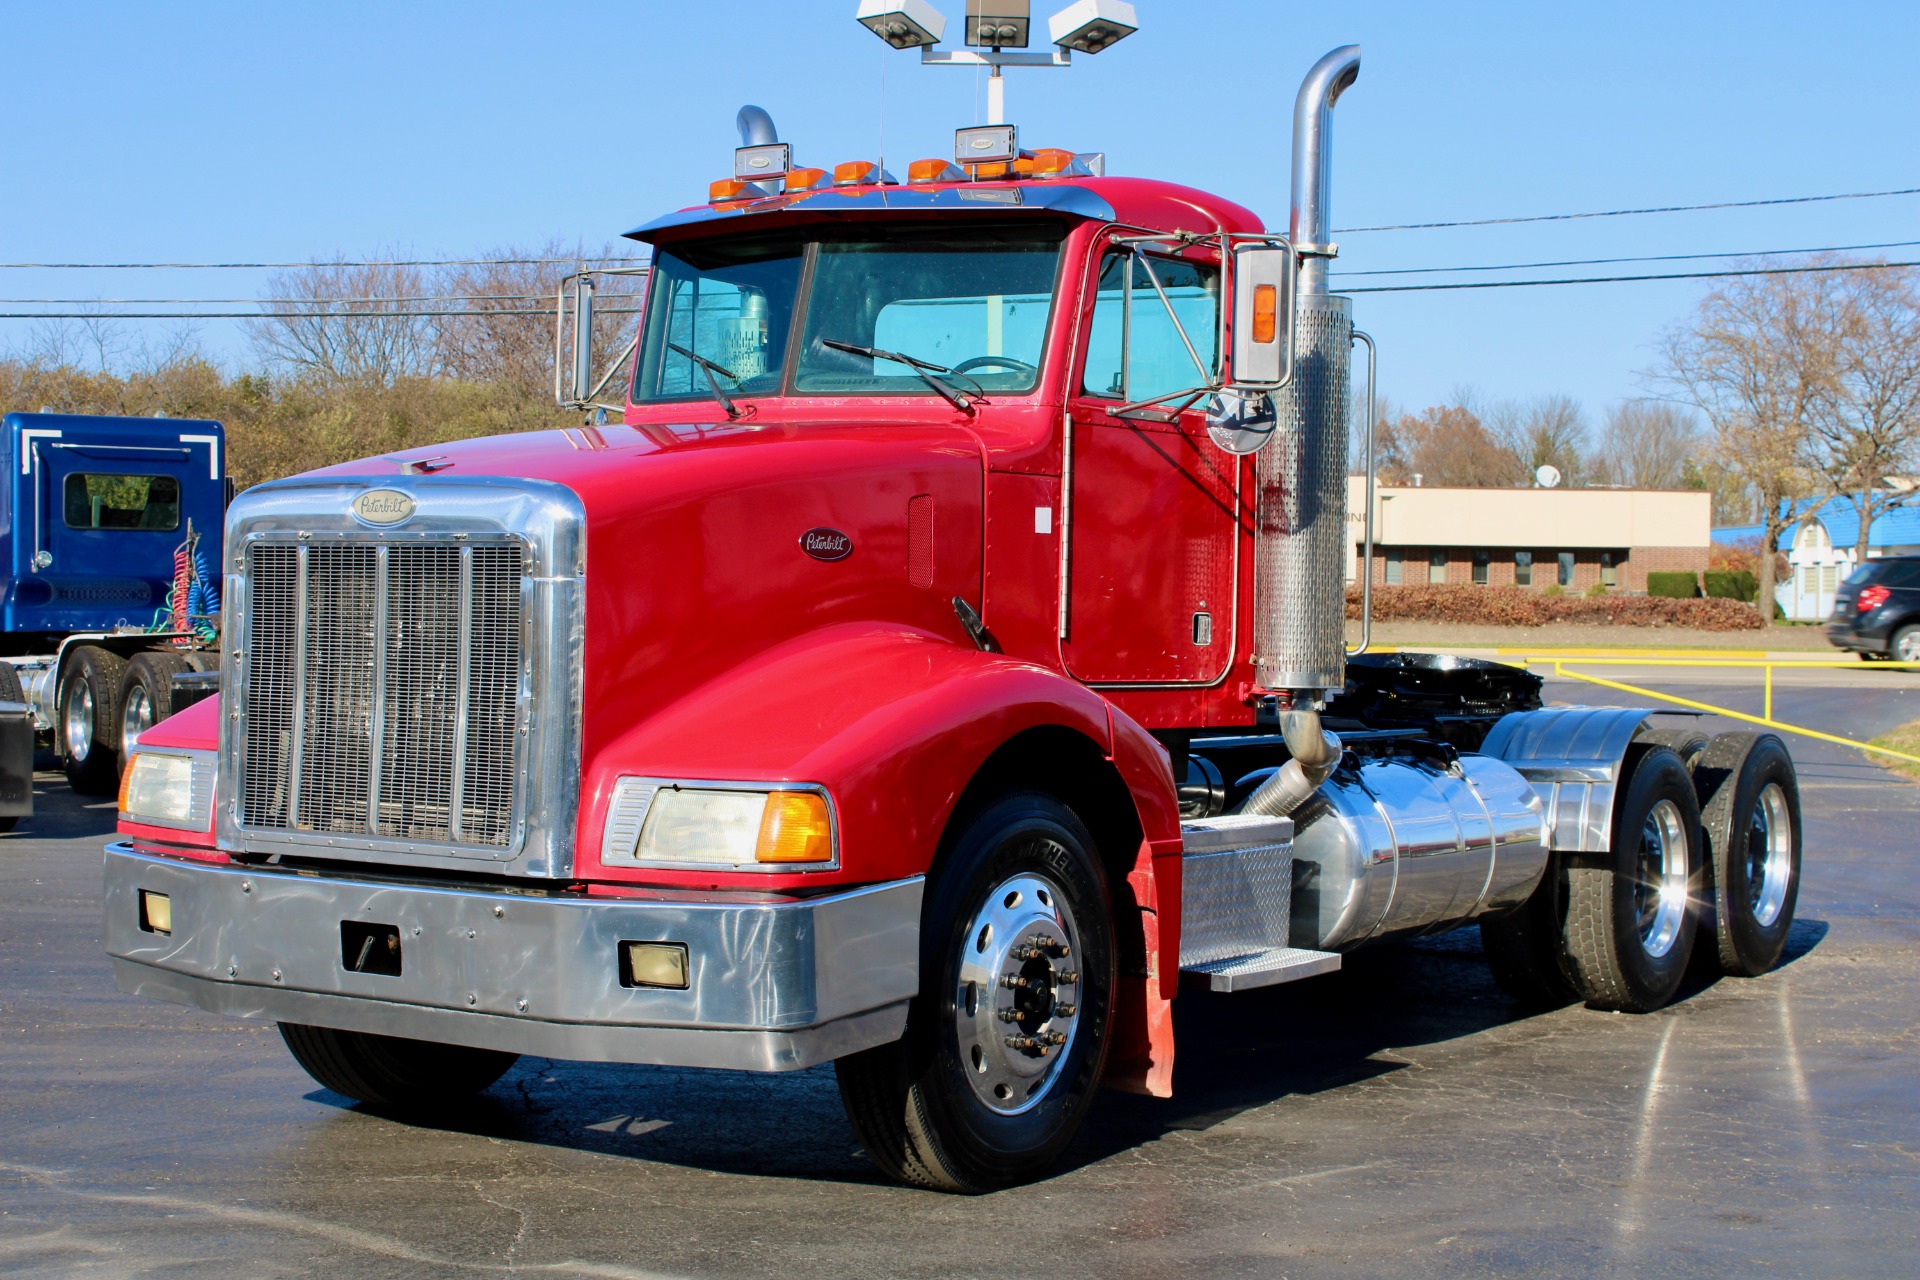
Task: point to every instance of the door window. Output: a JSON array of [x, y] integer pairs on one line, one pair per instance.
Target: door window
[[1437, 567], [150, 503], [1566, 568], [1482, 562], [1136, 353], [1523, 568], [1396, 566]]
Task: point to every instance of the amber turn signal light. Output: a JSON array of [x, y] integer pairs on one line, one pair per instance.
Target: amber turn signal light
[[1266, 307], [796, 827]]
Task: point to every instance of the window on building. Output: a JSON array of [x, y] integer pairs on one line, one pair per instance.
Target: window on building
[[1437, 566], [1482, 561], [1566, 568], [1609, 569], [1395, 567], [1523, 568]]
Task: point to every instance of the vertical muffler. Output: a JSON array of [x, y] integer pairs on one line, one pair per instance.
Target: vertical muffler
[[1300, 556]]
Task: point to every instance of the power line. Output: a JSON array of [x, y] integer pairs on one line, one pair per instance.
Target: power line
[[1677, 275], [1625, 213], [294, 315], [1595, 262], [291, 302], [262, 266]]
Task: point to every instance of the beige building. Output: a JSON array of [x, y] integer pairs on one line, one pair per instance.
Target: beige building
[[1572, 538]]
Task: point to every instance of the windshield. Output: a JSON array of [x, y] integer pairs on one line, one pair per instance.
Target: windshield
[[968, 306]]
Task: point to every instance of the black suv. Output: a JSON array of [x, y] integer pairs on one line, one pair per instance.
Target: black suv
[[1877, 610]]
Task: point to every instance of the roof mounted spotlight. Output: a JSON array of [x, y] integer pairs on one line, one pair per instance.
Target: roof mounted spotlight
[[986, 143], [760, 154], [904, 24], [1089, 26], [998, 24]]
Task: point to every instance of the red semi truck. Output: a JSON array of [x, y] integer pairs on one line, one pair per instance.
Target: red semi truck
[[938, 662]]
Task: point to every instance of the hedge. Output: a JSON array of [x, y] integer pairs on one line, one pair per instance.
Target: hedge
[[1521, 607], [1731, 584], [1674, 586]]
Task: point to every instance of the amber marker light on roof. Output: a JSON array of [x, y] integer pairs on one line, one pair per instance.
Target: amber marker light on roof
[[806, 179], [729, 189], [796, 827], [934, 171], [859, 173], [1266, 310]]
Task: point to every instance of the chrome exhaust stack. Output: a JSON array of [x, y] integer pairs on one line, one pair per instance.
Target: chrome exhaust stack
[[1300, 556]]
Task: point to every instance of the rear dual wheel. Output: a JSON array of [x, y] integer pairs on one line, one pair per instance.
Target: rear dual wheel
[[86, 720], [1007, 1038], [1751, 815]]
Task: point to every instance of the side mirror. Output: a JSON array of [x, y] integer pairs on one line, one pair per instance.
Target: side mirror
[[574, 383], [1263, 277]]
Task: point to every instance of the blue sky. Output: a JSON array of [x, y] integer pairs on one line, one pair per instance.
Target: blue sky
[[220, 132]]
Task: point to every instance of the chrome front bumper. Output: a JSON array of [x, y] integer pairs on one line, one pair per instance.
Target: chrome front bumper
[[775, 984]]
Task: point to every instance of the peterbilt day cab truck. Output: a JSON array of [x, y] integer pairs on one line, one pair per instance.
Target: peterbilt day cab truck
[[109, 538], [938, 663]]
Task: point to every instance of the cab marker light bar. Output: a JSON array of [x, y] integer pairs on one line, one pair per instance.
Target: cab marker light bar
[[805, 179]]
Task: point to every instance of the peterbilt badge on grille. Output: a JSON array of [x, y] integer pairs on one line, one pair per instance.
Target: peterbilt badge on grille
[[826, 544], [383, 506]]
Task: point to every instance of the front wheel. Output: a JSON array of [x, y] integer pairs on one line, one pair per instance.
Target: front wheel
[[386, 1071], [1632, 911], [1007, 1039]]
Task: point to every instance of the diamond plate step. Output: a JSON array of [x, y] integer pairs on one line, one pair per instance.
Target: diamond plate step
[[1266, 968]]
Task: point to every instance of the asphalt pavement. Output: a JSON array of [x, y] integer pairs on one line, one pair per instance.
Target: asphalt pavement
[[1401, 1117]]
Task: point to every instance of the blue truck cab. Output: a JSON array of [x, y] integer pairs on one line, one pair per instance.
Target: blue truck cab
[[110, 535]]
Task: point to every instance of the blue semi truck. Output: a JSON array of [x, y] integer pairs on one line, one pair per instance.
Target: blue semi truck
[[110, 547]]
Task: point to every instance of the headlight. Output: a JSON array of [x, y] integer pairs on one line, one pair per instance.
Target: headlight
[[169, 789], [663, 824]]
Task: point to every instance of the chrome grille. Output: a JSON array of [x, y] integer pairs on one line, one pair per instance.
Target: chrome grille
[[380, 690]]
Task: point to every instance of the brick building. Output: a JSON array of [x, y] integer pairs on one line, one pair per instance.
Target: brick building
[[1572, 538]]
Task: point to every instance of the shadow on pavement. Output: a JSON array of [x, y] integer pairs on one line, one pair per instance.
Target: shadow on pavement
[[1236, 1053]]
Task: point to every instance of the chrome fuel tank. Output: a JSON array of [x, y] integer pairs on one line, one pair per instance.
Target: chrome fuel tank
[[1399, 845]]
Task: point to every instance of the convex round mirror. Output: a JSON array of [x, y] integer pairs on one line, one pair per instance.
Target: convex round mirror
[[1240, 421]]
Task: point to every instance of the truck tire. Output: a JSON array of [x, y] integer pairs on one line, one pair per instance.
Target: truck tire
[[1750, 812], [386, 1071], [1523, 947], [1632, 911], [1686, 743], [146, 695], [85, 724], [996, 1071]]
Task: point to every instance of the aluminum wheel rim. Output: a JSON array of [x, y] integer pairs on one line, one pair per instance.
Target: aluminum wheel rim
[[1769, 854], [1908, 647], [1014, 1012], [1661, 891], [136, 719], [80, 721]]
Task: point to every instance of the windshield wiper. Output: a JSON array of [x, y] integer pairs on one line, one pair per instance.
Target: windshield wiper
[[925, 368], [709, 368]]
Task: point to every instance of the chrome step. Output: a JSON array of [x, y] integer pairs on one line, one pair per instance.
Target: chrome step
[[1266, 968]]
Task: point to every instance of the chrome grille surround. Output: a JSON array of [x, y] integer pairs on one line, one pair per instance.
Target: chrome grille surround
[[407, 693]]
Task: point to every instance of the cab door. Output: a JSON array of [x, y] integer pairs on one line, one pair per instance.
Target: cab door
[[1156, 506]]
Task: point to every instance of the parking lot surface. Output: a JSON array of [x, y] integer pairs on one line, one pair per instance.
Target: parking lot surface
[[1401, 1117]]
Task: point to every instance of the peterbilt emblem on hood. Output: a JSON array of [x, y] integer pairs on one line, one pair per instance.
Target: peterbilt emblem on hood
[[383, 506], [826, 544]]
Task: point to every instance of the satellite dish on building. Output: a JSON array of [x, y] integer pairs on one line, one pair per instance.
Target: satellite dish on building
[[1547, 476]]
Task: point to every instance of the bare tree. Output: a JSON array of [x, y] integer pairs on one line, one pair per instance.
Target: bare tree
[[349, 324], [1866, 423], [1646, 444], [1445, 445], [1548, 430], [1756, 359]]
